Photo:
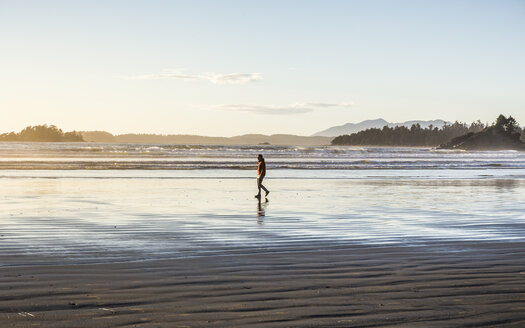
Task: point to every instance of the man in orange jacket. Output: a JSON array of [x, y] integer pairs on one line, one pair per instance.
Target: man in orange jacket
[[261, 172]]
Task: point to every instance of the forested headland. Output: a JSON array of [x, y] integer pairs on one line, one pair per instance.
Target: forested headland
[[42, 133], [504, 133], [415, 136]]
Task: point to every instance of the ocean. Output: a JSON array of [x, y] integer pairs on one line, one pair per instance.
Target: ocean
[[56, 156], [91, 203]]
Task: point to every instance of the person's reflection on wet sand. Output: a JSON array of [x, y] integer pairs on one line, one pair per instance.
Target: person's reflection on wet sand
[[261, 210]]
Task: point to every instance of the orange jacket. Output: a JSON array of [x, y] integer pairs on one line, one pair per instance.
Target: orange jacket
[[261, 168]]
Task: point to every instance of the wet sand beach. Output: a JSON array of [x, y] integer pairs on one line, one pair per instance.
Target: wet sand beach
[[262, 164], [331, 248], [441, 285]]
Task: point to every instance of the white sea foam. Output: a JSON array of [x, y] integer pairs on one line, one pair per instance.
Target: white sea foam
[[62, 156]]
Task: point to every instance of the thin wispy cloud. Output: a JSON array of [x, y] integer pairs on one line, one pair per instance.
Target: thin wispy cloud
[[324, 105], [297, 108], [230, 78], [233, 78], [160, 76]]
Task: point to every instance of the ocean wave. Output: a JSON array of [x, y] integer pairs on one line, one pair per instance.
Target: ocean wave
[[96, 156], [243, 165]]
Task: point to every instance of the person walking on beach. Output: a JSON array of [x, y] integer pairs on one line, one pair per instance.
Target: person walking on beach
[[261, 172]]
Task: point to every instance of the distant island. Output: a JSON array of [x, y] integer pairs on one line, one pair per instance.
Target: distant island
[[350, 128], [505, 133], [414, 136], [50, 133], [42, 133]]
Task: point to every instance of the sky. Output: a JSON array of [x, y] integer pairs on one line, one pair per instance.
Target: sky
[[225, 68]]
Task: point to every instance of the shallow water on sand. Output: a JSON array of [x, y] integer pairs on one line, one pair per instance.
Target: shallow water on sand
[[100, 216]]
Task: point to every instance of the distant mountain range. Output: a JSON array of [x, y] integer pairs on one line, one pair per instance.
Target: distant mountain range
[[350, 128]]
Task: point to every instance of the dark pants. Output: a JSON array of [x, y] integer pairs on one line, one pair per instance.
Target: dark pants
[[260, 185]]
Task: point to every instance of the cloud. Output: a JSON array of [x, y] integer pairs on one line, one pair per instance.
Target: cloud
[[297, 108], [267, 109], [325, 105], [231, 78], [166, 76]]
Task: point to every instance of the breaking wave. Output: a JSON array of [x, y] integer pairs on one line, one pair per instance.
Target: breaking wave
[[96, 156]]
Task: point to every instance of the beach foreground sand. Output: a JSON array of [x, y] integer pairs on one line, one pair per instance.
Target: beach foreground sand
[[442, 285]]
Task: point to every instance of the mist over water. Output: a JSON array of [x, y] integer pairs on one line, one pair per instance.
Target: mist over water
[[188, 200]]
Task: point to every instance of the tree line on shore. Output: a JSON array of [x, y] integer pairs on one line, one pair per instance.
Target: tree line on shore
[[49, 133], [416, 136], [505, 133]]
